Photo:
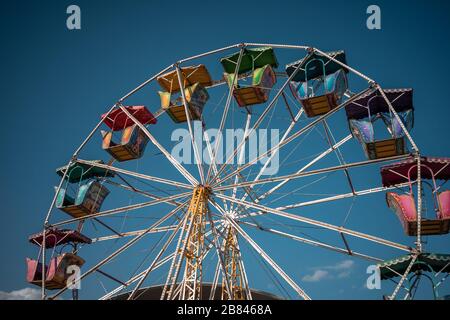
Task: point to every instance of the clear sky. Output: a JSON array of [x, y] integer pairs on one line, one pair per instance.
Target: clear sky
[[56, 83]]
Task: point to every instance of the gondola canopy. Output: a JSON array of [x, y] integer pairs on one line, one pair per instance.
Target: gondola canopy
[[118, 119], [428, 262], [373, 103], [315, 65], [397, 173], [252, 59]]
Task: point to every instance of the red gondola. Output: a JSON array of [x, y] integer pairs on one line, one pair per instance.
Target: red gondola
[[118, 120], [133, 140]]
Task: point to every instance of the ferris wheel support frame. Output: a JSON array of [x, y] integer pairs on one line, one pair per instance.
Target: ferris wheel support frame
[[263, 254], [220, 259]]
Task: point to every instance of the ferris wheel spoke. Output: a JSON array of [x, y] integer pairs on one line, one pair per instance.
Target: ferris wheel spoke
[[404, 276], [260, 120], [321, 224], [135, 278], [241, 157], [158, 256], [122, 248], [268, 259], [298, 133], [217, 142], [332, 198], [135, 174], [220, 257], [138, 191], [312, 162], [314, 172], [272, 155], [312, 242], [331, 141], [133, 233], [240, 261], [188, 120], [169, 157], [124, 209], [210, 153]]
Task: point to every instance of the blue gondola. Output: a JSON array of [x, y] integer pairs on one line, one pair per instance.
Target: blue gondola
[[89, 193], [320, 83]]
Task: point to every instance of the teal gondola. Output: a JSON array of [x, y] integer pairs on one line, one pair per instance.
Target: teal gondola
[[87, 193], [320, 83]]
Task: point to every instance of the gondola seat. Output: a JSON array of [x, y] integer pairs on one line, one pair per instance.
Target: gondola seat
[[131, 146], [334, 87], [56, 271], [405, 208], [263, 79], [378, 149], [196, 97], [88, 200]]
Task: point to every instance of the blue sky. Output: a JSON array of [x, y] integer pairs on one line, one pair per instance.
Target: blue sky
[[56, 83]]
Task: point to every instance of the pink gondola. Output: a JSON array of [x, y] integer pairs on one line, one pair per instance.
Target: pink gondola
[[57, 268], [444, 204], [56, 271], [404, 205]]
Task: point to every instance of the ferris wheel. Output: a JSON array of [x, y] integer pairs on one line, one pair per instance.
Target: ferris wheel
[[201, 218]]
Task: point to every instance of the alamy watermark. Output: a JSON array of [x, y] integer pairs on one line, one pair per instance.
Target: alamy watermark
[[74, 277], [73, 21], [374, 280], [374, 20], [259, 142]]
